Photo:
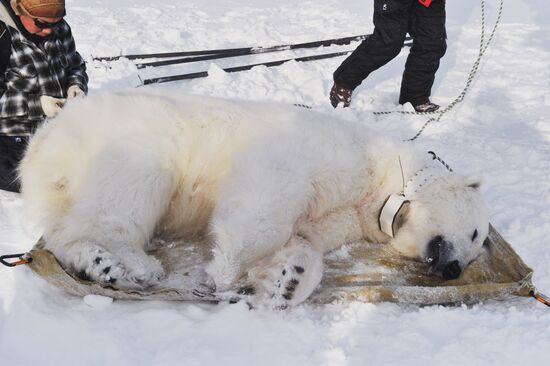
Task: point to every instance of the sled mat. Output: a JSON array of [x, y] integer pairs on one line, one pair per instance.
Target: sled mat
[[359, 271]]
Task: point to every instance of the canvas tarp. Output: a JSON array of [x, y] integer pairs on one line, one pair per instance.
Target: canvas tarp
[[360, 271]]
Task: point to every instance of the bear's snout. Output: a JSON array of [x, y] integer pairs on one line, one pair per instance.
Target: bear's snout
[[439, 260], [452, 270]]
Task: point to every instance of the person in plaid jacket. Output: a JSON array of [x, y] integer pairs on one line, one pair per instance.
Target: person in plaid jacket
[[43, 71], [424, 20]]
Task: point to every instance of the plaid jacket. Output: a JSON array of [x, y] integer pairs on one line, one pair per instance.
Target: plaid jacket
[[48, 68]]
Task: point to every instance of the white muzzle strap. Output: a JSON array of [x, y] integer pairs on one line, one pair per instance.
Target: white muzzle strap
[[389, 212]]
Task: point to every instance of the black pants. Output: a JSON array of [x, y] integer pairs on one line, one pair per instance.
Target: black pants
[[393, 19], [12, 149]]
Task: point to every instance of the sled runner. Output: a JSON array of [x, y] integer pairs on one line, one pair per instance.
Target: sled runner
[[184, 57], [356, 272]]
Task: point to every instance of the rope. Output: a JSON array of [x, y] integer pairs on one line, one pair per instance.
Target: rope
[[482, 48], [435, 157]]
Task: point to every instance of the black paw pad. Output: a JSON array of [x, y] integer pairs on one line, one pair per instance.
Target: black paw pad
[[83, 275], [290, 288], [299, 269]]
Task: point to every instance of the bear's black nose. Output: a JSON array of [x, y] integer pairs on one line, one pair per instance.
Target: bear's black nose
[[452, 271]]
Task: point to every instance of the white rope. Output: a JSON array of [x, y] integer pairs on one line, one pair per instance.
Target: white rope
[[482, 48]]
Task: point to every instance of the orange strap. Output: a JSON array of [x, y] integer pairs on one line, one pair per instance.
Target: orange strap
[[540, 297]]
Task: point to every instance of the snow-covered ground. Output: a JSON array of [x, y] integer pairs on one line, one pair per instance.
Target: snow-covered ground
[[500, 132]]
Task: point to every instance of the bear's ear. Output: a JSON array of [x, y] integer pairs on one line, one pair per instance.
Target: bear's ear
[[473, 182]]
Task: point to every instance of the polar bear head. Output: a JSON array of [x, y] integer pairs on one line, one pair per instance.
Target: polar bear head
[[445, 224]]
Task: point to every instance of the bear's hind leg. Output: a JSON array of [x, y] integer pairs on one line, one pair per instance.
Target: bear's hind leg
[[104, 235]]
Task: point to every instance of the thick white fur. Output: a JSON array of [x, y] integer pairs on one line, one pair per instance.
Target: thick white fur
[[273, 186]]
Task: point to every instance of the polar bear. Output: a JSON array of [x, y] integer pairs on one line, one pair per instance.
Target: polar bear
[[272, 187]]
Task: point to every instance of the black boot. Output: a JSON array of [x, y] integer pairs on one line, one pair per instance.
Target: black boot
[[339, 94], [426, 107]]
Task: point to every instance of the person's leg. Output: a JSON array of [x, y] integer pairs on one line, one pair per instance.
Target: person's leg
[[429, 46], [390, 20], [12, 149]]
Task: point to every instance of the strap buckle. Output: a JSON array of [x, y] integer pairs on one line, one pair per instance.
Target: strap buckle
[[23, 258]]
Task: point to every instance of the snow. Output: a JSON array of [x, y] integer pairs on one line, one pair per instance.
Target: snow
[[97, 301], [501, 132]]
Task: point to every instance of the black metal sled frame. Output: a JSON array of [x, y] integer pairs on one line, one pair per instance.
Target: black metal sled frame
[[241, 51], [203, 74]]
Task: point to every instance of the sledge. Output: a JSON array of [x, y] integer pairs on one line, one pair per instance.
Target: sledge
[[184, 57], [203, 74], [360, 271], [239, 51]]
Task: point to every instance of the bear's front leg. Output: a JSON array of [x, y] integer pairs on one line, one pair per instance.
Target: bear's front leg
[[259, 205], [288, 277]]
